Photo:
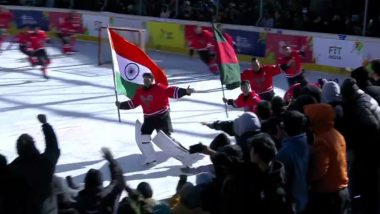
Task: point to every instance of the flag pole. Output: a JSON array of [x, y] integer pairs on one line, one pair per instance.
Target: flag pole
[[113, 74], [220, 70]]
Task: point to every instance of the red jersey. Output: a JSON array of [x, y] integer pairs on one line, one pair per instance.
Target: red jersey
[[295, 69], [22, 38], [5, 19], [37, 40], [201, 41], [154, 100], [69, 27], [262, 81], [249, 102]]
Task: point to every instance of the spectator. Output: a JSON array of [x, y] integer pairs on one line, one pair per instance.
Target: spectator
[[328, 180], [361, 116], [294, 154], [242, 128], [331, 95], [190, 201], [34, 171], [145, 190], [361, 76], [375, 75], [94, 197], [165, 12]]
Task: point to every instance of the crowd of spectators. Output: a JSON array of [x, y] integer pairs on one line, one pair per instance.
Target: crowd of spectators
[[315, 154], [335, 16]]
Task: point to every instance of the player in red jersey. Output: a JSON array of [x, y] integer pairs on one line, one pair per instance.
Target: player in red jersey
[[67, 33], [247, 99], [202, 41], [261, 78], [6, 18], [291, 64], [22, 38], [154, 100], [37, 39]]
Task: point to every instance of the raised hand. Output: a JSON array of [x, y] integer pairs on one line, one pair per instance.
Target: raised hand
[[42, 118]]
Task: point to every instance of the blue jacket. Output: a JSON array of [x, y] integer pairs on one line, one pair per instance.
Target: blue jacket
[[295, 155]]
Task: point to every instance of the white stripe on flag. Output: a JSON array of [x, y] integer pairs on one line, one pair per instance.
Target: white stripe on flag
[[129, 70]]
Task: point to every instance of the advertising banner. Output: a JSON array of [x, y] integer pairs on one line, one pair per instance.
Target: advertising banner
[[274, 43], [91, 23], [25, 17], [338, 53], [371, 51], [248, 42], [163, 34], [57, 18]]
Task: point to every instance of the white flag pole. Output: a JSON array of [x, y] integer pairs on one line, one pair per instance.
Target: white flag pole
[[113, 74]]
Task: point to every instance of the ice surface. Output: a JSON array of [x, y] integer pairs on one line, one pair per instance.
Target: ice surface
[[79, 102]]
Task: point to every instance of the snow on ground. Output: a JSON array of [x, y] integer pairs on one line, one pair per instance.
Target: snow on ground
[[79, 102]]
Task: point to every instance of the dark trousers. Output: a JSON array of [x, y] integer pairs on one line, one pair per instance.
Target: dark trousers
[[297, 79], [42, 57], [206, 56], [158, 122], [64, 39], [364, 172], [24, 50], [329, 203], [267, 95]]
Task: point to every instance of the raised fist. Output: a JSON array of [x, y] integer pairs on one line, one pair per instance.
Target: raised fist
[[42, 118]]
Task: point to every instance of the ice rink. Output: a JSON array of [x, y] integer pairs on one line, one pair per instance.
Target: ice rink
[[78, 100]]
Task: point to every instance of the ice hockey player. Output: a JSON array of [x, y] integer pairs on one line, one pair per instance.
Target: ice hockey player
[[154, 100], [22, 38], [261, 78], [248, 99], [291, 65], [37, 40], [202, 41], [67, 33], [6, 18]]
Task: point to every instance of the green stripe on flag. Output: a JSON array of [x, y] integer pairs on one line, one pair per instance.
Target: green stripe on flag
[[124, 87], [229, 76]]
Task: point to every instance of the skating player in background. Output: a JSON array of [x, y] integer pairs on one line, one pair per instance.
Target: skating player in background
[[6, 18], [261, 78], [67, 31], [202, 41], [23, 39], [248, 99], [37, 39], [291, 65], [154, 100]]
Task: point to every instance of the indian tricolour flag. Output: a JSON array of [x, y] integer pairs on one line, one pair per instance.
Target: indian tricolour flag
[[129, 65]]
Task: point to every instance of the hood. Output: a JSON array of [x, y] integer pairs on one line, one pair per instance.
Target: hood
[[312, 90], [26, 147], [93, 180], [361, 76], [349, 89], [191, 196], [331, 92], [321, 116], [247, 122]]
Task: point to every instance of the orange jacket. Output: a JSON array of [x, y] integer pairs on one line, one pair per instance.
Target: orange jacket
[[329, 167]]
